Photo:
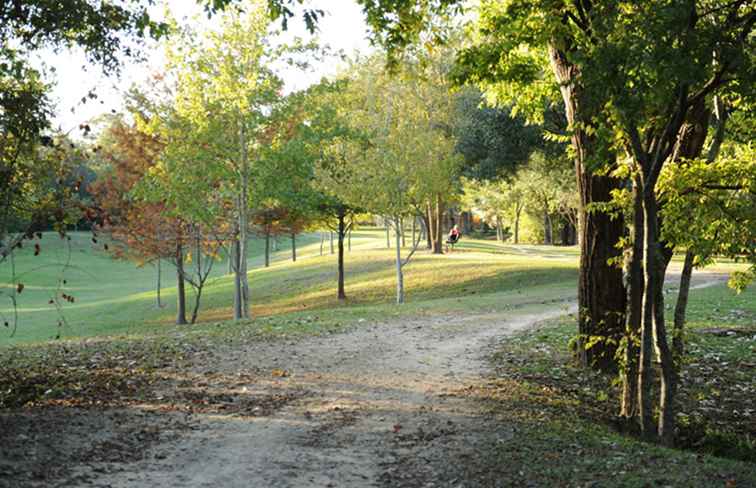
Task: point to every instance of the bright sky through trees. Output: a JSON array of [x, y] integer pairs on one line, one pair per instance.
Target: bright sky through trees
[[343, 28]]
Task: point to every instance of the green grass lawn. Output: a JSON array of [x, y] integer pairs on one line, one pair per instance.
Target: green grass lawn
[[118, 298]]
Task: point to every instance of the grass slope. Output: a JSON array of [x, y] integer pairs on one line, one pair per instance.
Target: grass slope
[[117, 298]]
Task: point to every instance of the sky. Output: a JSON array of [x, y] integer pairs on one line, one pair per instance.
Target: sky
[[342, 28]]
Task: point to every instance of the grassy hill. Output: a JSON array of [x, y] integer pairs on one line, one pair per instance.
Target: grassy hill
[[117, 297]]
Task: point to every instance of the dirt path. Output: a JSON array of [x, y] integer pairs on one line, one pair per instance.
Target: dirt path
[[353, 409], [382, 405]]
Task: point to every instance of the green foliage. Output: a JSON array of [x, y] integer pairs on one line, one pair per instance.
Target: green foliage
[[709, 207]]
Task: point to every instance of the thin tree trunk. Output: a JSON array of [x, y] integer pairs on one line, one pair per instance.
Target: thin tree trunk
[[238, 287], [322, 240], [341, 294], [388, 233], [414, 229], [267, 246], [678, 345], [634, 267], [180, 288], [330, 233], [401, 231], [428, 221], [294, 247], [547, 239], [241, 309], [518, 212], [399, 274], [645, 367], [158, 285]]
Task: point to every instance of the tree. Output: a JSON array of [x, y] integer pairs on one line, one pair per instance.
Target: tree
[[408, 160], [226, 74]]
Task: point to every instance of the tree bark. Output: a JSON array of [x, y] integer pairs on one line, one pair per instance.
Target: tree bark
[[330, 236], [322, 240], [634, 286], [548, 239], [267, 246], [678, 344], [341, 294], [428, 222], [438, 243], [294, 247], [399, 273], [601, 293], [158, 285], [180, 287]]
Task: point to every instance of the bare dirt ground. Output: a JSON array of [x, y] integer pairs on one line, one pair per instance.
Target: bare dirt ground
[[382, 405]]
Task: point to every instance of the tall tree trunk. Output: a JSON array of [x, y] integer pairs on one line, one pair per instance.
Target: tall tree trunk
[[654, 300], [322, 240], [518, 212], [499, 229], [330, 235], [241, 309], [601, 293], [401, 232], [634, 276], [180, 287], [294, 247], [341, 295], [645, 366], [399, 273]]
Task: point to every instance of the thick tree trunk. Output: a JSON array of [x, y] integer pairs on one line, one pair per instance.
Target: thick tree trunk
[[601, 293], [499, 229], [399, 274], [180, 287], [341, 295], [294, 247]]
